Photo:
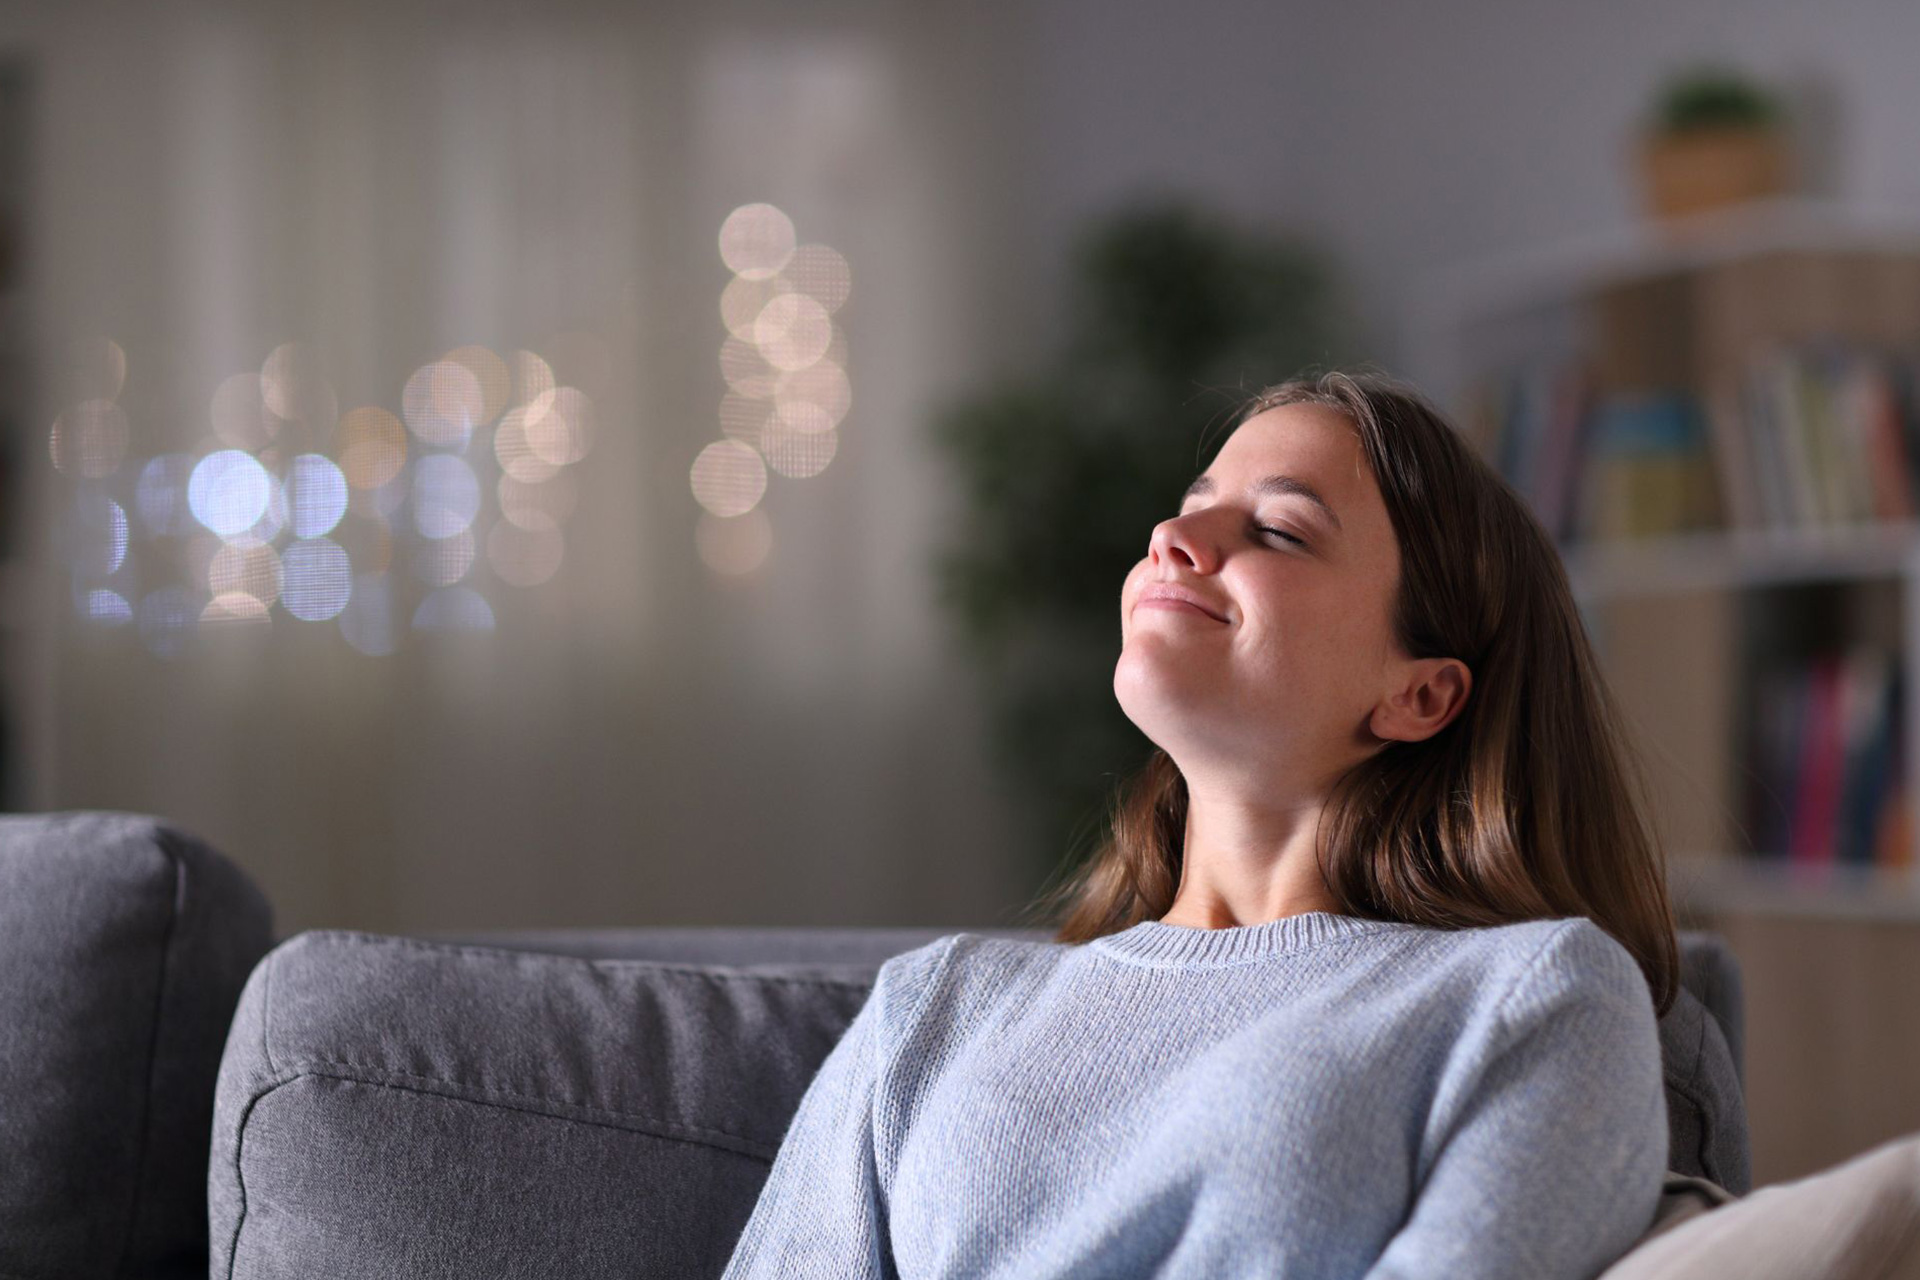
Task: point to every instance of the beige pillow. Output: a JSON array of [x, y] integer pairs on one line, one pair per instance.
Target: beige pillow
[[1856, 1221]]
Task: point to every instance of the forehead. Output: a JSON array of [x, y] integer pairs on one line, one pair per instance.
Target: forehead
[[1297, 439]]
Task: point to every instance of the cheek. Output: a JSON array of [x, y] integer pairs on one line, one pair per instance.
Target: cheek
[[1128, 584]]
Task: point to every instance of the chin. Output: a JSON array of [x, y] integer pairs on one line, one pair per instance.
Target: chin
[[1150, 696]]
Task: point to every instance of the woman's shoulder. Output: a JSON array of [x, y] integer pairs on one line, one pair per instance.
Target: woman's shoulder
[[1538, 964], [958, 957], [1532, 961], [963, 967]]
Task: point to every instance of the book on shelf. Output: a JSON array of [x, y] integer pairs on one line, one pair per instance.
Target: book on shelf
[[1815, 433], [1828, 762]]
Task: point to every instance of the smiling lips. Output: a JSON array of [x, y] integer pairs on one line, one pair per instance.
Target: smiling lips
[[1165, 595]]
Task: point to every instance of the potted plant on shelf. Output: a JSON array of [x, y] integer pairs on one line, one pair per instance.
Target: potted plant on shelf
[[1717, 138]]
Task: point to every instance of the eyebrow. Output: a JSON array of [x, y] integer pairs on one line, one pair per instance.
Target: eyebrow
[[1279, 485]]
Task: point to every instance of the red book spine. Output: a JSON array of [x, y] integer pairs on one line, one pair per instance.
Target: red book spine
[[1819, 788]]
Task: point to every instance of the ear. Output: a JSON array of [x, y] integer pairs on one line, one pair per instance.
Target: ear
[[1434, 692]]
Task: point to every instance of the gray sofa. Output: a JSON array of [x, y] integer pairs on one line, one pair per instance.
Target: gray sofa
[[181, 1097]]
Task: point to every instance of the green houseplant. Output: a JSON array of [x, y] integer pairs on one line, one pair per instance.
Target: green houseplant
[[1175, 318]]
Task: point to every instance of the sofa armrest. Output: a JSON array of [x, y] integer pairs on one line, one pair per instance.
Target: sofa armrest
[[125, 944]]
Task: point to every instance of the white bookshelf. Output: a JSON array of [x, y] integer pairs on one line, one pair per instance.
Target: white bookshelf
[[1495, 312]]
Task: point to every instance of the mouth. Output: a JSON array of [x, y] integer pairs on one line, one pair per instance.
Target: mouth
[[1176, 600]]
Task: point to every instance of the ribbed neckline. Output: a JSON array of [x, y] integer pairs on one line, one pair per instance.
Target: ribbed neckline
[[1184, 946]]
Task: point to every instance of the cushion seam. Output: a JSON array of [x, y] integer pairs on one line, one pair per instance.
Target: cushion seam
[[144, 1130], [718, 972], [239, 1171], [1709, 1168], [386, 1077], [1693, 1082]]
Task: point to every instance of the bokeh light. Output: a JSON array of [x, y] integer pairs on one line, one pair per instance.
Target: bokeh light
[[815, 398], [316, 495], [490, 374], [106, 608], [821, 273], [443, 402], [233, 607], [563, 433], [97, 534], [253, 570], [446, 495], [228, 491], [372, 447], [514, 451], [742, 301], [756, 240], [792, 332], [316, 579], [273, 517], [728, 478], [798, 454]]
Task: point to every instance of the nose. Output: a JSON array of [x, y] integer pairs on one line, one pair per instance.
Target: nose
[[1183, 541]]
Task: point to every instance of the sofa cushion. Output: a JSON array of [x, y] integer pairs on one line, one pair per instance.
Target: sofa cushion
[[397, 1108], [1857, 1221], [125, 944]]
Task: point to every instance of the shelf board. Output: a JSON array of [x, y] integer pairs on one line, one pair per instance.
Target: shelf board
[[1520, 280], [1734, 885], [1736, 559]]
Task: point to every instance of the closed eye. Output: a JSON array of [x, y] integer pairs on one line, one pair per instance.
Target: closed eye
[[1281, 533]]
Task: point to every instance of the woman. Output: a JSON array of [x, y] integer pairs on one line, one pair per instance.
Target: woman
[[1364, 982]]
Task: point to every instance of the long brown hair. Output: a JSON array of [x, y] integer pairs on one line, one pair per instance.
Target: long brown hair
[[1530, 804]]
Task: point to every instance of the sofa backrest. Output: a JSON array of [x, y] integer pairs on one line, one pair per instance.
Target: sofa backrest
[[577, 1104]]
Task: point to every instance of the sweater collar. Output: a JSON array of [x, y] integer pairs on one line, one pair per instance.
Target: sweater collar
[[1156, 942]]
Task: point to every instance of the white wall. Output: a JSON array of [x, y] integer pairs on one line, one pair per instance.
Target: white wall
[[641, 743]]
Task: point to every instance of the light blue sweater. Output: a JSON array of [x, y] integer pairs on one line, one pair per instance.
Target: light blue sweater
[[1314, 1097]]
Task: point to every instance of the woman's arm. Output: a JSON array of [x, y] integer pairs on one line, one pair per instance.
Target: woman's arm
[[822, 1210], [1551, 1149]]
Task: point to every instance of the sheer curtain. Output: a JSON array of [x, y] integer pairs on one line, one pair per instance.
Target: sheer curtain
[[620, 708]]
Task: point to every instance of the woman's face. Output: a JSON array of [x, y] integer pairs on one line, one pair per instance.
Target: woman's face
[[1281, 682]]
